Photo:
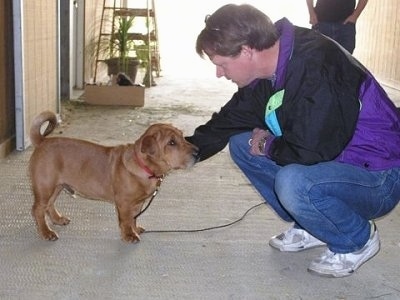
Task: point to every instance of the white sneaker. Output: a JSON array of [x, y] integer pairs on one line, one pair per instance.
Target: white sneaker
[[294, 240], [340, 265]]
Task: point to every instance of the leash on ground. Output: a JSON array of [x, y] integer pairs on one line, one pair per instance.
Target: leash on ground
[[72, 193], [207, 228]]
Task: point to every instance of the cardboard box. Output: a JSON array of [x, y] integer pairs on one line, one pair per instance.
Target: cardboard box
[[114, 95]]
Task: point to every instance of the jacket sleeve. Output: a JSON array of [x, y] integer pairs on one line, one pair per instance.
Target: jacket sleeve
[[320, 108], [243, 112]]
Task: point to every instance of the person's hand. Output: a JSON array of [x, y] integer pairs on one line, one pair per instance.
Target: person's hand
[[350, 19], [313, 18], [257, 141]]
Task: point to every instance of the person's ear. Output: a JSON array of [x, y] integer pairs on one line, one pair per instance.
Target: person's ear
[[247, 51]]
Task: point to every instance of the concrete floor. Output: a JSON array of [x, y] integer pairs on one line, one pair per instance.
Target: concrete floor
[[89, 261]]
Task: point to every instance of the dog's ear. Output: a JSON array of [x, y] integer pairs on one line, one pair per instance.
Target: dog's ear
[[149, 145]]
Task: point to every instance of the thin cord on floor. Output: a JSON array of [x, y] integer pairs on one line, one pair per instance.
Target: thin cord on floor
[[207, 228]]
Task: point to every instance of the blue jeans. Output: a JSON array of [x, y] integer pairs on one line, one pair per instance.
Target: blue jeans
[[332, 201], [344, 34]]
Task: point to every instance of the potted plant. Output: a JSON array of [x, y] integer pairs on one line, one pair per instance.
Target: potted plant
[[121, 49], [116, 49]]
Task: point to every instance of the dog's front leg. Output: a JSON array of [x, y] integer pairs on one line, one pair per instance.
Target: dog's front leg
[[39, 214], [125, 217], [136, 209], [136, 228]]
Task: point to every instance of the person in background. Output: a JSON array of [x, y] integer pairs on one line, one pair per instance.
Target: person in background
[[310, 127], [336, 19]]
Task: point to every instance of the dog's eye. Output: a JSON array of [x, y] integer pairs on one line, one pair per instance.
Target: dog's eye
[[172, 142]]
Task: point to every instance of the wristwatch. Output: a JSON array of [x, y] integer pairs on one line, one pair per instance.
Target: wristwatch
[[261, 144]]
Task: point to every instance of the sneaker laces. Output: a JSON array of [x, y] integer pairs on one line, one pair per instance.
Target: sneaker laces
[[336, 261], [294, 235], [332, 257]]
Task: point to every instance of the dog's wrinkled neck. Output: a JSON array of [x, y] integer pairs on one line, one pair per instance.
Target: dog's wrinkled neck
[[145, 168]]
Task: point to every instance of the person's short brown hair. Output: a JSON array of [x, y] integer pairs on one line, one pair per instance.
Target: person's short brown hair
[[233, 26]]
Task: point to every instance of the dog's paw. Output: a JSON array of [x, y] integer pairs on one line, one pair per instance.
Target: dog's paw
[[131, 238], [61, 221], [140, 230], [49, 235]]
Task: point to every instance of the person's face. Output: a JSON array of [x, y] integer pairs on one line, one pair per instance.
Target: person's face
[[237, 69]]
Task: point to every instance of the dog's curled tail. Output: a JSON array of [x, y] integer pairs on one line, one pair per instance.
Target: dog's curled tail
[[35, 134]]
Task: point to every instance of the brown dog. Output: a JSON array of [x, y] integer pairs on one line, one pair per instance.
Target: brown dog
[[125, 175]]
